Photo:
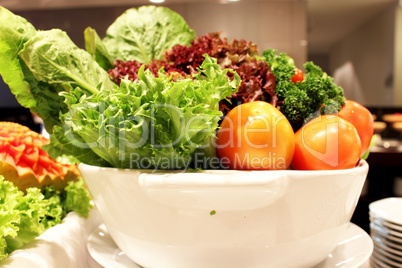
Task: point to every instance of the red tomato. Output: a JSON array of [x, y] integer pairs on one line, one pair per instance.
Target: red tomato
[[298, 76], [255, 135], [326, 142], [362, 119]]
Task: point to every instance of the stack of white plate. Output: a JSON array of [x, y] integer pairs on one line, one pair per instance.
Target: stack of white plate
[[386, 232]]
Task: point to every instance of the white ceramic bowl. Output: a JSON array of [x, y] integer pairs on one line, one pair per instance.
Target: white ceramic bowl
[[225, 218]]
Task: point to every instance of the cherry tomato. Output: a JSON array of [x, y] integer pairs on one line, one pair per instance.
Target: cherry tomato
[[255, 135], [326, 142], [362, 119], [298, 76]]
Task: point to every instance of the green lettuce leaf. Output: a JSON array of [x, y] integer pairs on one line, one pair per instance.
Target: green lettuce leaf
[[56, 65], [144, 33], [39, 97], [15, 31], [9, 218], [32, 208], [38, 65], [77, 198], [54, 59], [98, 50], [67, 147], [154, 122], [24, 216]]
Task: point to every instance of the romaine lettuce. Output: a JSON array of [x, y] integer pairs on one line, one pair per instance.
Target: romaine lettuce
[[53, 58], [41, 98], [97, 49]]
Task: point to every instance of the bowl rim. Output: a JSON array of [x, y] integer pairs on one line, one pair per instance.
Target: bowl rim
[[362, 166]]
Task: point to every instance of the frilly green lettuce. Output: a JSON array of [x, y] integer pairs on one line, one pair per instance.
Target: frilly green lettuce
[[154, 122], [24, 216]]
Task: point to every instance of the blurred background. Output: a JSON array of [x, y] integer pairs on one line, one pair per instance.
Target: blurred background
[[358, 42], [356, 39]]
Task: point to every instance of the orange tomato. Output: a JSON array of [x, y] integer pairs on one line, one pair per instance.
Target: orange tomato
[[362, 119], [326, 142], [255, 135]]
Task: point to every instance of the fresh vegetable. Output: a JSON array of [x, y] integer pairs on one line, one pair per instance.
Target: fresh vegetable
[[298, 76], [73, 66], [271, 78], [255, 135], [26, 164], [326, 142], [257, 80], [148, 123], [153, 122], [30, 59], [15, 31], [161, 101], [362, 119], [142, 34], [36, 191], [24, 216], [316, 95]]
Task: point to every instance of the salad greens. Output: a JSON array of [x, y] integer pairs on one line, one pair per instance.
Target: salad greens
[[155, 122], [24, 216], [152, 123], [53, 58], [97, 49], [143, 34], [39, 97]]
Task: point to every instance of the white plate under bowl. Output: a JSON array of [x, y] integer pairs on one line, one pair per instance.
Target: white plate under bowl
[[353, 250], [105, 251], [389, 209]]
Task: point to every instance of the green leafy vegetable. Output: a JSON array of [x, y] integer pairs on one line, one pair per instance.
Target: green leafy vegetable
[[300, 102], [154, 122], [92, 120], [15, 32], [98, 50], [23, 217], [54, 59], [76, 198], [144, 33], [53, 64], [67, 147]]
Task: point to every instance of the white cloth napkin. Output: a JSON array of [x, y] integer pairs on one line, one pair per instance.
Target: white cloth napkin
[[62, 246]]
